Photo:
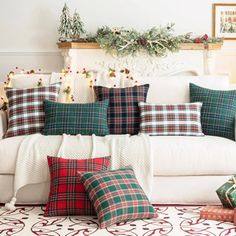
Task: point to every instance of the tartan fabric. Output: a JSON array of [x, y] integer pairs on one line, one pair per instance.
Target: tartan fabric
[[117, 196], [67, 196], [176, 119], [85, 119], [218, 110], [123, 110], [26, 113]]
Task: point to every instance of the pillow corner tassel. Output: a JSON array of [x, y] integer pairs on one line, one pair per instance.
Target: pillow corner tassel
[[10, 206]]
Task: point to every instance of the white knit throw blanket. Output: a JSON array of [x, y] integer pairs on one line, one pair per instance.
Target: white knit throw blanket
[[32, 167]]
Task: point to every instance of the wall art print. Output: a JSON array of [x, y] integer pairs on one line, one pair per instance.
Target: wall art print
[[224, 20]]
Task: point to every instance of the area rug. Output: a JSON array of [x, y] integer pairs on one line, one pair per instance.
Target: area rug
[[172, 221]]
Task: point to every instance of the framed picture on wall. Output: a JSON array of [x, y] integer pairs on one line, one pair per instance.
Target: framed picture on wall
[[224, 20]]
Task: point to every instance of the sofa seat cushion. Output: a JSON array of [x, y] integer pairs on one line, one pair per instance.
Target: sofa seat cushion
[[173, 155], [208, 155], [8, 154]]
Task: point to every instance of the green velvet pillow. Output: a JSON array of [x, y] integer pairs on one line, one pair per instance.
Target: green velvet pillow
[[84, 119], [218, 110]]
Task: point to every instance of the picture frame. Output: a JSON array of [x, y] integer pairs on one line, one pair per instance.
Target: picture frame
[[224, 20]]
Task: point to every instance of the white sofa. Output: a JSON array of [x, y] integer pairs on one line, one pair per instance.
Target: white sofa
[[187, 170]]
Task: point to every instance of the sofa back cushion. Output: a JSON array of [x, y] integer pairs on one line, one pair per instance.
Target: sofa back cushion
[[21, 81], [163, 90], [3, 96], [175, 89]]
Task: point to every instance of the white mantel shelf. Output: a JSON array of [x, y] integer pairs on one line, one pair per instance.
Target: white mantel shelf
[[196, 58], [183, 46]]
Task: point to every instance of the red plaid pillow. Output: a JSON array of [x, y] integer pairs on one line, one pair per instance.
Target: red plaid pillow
[[123, 111], [67, 196]]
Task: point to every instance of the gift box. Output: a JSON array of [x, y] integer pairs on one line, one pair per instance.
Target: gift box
[[217, 213], [227, 193]]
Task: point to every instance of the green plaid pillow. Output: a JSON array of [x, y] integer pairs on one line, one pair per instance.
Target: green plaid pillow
[[116, 196], [84, 119], [218, 110]]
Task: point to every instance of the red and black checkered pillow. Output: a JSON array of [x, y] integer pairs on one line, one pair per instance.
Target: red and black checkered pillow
[[117, 196], [176, 119], [67, 195], [123, 110], [26, 109]]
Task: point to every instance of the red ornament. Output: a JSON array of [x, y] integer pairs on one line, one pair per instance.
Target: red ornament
[[197, 40], [127, 71], [205, 37]]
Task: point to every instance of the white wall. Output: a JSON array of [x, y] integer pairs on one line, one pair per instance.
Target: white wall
[[28, 28]]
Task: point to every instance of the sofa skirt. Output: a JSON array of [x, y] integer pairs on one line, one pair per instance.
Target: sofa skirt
[[166, 190]]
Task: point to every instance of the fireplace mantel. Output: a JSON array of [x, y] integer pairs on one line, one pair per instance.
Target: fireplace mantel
[[196, 57]]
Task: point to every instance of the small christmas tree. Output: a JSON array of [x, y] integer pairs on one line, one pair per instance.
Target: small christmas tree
[[77, 26], [65, 24]]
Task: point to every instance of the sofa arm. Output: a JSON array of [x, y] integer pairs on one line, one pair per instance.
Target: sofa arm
[[3, 123]]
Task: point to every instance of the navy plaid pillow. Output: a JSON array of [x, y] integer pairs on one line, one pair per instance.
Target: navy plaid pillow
[[84, 119], [123, 110], [218, 110], [67, 196], [117, 196], [26, 113]]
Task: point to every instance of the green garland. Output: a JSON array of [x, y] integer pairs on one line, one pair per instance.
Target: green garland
[[155, 41]]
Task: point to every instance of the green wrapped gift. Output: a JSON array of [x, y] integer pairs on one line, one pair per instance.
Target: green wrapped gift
[[227, 193]]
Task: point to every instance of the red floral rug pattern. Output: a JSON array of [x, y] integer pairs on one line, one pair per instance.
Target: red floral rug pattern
[[172, 221]]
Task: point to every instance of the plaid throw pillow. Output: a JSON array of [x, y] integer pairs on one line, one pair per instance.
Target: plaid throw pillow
[[26, 113], [117, 196], [177, 119], [218, 110], [123, 110], [85, 119], [67, 196]]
